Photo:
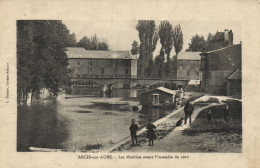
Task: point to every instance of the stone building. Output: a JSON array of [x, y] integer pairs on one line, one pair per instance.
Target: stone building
[[188, 65], [217, 66], [101, 64]]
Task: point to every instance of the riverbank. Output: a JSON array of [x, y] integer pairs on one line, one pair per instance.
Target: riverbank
[[197, 137]]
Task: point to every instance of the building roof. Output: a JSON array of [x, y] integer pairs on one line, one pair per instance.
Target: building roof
[[236, 75], [163, 89], [235, 45], [189, 56], [80, 52]]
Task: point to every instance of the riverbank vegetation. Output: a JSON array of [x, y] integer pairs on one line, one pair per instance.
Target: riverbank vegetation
[[41, 58]]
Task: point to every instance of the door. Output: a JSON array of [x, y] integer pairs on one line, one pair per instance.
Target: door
[[155, 99]]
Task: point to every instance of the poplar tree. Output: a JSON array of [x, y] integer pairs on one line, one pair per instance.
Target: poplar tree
[[148, 36]]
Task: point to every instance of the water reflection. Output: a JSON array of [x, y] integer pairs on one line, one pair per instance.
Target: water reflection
[[40, 125]]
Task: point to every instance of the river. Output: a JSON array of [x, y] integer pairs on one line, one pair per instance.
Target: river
[[82, 120]]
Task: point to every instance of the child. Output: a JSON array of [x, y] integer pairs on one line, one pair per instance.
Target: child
[[150, 133], [133, 128]]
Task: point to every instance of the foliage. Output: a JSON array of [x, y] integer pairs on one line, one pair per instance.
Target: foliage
[[148, 36], [41, 60], [166, 37], [210, 37], [178, 39], [197, 43], [170, 38], [160, 64], [93, 43], [166, 40], [103, 46], [135, 48]]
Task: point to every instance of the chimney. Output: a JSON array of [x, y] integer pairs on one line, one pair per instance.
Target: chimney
[[226, 35], [230, 34]]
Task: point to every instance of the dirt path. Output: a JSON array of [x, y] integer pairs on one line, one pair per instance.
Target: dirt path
[[164, 144]]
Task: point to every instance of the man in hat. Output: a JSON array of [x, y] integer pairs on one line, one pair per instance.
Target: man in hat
[[133, 129], [188, 110]]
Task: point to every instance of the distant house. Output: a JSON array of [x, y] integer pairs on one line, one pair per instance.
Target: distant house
[[220, 40], [234, 84], [217, 66], [160, 96], [101, 64], [188, 65]]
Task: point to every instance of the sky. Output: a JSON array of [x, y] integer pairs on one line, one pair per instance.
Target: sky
[[121, 34]]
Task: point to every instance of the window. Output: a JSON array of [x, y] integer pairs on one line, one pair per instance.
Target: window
[[78, 76], [78, 63], [90, 63], [188, 73], [126, 63], [180, 73], [90, 70], [85, 76], [126, 71]]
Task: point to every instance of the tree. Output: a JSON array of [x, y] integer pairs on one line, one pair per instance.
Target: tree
[[93, 43], [84, 42], [41, 60], [210, 37], [178, 39], [178, 44], [72, 42], [166, 40], [148, 37], [160, 64], [103, 46], [197, 43], [135, 48]]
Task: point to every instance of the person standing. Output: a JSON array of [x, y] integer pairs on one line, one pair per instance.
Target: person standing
[[133, 129], [226, 114], [210, 116], [188, 110], [150, 133]]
